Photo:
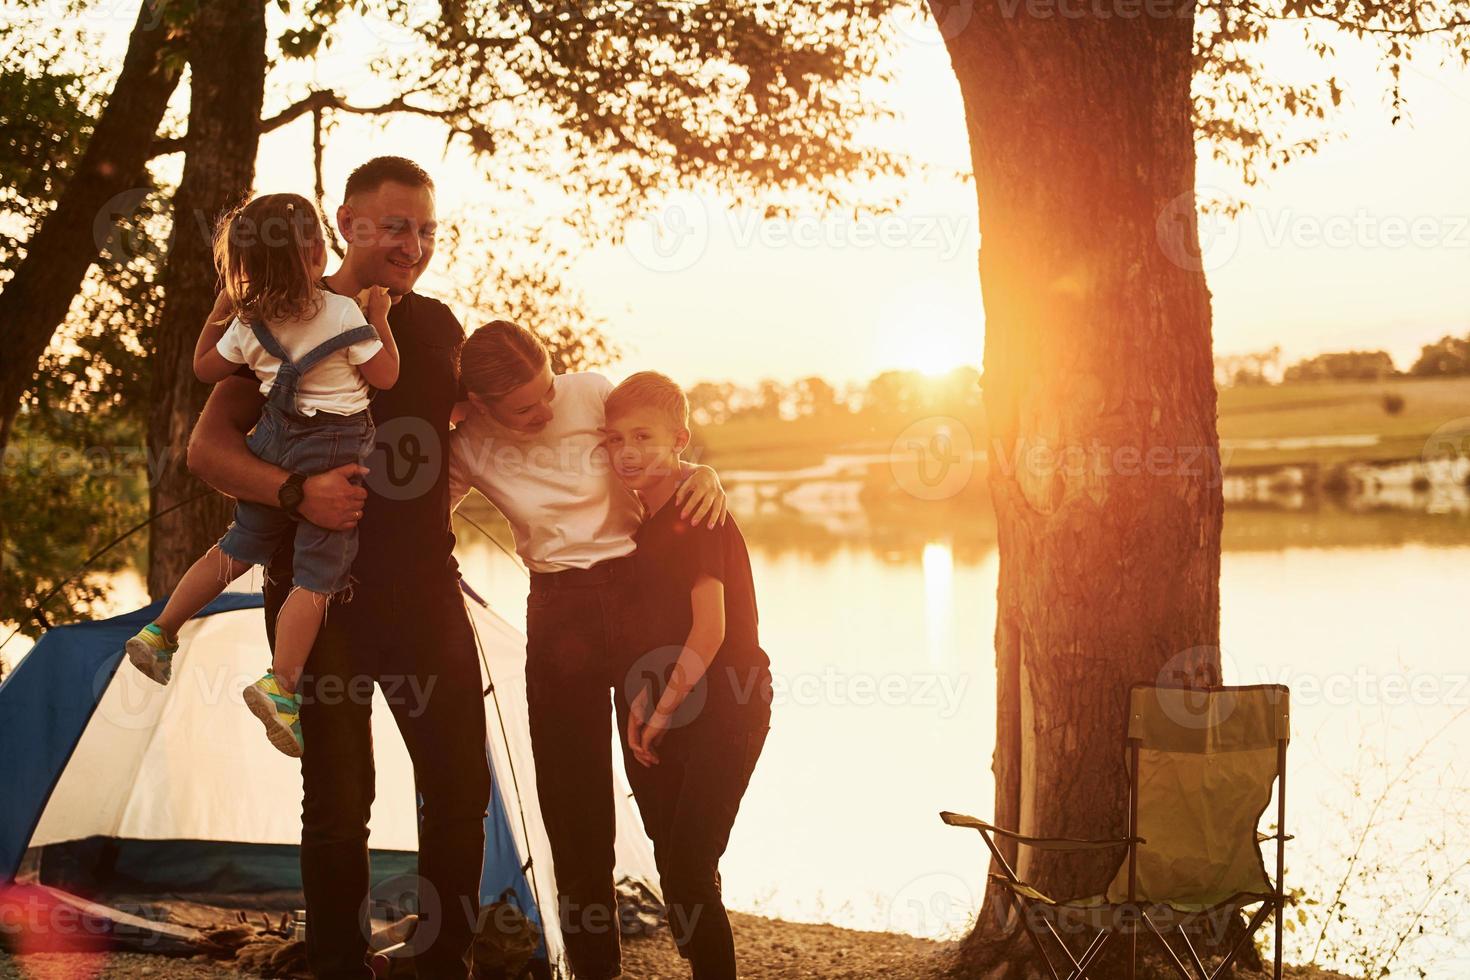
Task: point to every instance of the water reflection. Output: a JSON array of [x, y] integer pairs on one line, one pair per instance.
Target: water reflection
[[880, 617], [879, 614], [938, 564], [1275, 508]]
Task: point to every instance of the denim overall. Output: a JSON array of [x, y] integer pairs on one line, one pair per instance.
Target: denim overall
[[308, 444]]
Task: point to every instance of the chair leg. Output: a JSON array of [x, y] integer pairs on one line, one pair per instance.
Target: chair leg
[[1250, 930], [1280, 914], [1094, 950], [1174, 959], [1024, 911], [1193, 953]]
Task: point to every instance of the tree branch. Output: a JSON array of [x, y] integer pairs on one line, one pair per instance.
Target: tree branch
[[1360, 27], [317, 101]]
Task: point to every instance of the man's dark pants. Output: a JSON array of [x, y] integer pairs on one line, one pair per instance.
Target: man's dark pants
[[573, 656], [416, 642]]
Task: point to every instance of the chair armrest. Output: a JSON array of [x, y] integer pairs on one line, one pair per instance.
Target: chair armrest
[[1041, 843]]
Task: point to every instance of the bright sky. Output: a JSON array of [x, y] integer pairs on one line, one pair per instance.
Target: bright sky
[[1366, 244]]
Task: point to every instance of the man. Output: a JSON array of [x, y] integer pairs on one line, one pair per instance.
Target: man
[[405, 627]]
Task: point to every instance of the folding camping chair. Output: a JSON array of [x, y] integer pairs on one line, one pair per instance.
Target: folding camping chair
[[1201, 763]]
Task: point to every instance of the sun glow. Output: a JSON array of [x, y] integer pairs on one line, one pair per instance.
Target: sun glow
[[932, 334], [938, 564]]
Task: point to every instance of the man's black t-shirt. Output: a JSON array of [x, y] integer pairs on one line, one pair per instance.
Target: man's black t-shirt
[[405, 537], [672, 555]]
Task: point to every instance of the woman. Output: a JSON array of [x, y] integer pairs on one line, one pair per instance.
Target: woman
[[532, 444]]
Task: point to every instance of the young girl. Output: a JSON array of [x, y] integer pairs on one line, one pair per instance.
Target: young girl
[[315, 356]]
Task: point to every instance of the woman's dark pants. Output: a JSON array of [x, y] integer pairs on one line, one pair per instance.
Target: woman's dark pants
[[573, 657]]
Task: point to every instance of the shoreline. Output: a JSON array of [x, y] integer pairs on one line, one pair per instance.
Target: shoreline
[[769, 949]]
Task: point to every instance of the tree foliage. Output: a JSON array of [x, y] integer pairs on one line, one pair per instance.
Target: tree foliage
[[610, 103], [1254, 119], [1354, 365], [1445, 357], [75, 471]]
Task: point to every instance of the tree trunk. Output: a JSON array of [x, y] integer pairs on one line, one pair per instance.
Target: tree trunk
[[227, 64], [111, 171], [1099, 390], [109, 178]]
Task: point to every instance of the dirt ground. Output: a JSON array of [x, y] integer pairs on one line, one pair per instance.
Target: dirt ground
[[772, 948], [769, 949]]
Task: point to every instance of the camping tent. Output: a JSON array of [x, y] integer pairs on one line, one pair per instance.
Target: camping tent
[[111, 782]]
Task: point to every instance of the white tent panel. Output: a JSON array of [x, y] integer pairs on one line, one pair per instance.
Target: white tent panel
[[190, 762]]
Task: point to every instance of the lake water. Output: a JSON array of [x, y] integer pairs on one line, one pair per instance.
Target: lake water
[[880, 632]]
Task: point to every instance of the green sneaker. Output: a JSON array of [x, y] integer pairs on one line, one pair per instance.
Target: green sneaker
[[278, 711], [152, 653]]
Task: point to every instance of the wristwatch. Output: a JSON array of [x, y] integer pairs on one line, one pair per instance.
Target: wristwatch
[[292, 493]]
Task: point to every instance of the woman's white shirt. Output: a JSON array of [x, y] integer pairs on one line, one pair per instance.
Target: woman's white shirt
[[565, 506]]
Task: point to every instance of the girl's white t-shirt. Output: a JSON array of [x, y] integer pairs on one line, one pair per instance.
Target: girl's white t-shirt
[[334, 385], [565, 505]]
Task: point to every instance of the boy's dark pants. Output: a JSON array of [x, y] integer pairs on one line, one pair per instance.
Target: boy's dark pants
[[415, 641], [688, 803], [573, 652]]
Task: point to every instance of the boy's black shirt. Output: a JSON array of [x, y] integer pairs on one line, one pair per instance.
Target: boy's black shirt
[[735, 692]]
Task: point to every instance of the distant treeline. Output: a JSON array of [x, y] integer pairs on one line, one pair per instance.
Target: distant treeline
[[890, 393], [1447, 357]]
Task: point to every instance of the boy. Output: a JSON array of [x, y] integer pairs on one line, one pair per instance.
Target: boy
[[696, 700]]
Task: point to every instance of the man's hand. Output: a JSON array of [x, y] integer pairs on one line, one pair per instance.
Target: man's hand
[[331, 500], [701, 496]]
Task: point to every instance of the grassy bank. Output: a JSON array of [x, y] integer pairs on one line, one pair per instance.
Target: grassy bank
[[1336, 409], [1331, 411]]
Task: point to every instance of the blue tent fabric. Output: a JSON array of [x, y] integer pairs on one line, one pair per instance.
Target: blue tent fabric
[[100, 866], [502, 865], [45, 705]]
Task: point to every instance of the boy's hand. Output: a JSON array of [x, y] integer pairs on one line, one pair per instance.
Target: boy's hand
[[701, 495], [654, 730], [637, 719]]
